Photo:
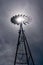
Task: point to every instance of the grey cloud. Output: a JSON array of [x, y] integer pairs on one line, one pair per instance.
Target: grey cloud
[[9, 33]]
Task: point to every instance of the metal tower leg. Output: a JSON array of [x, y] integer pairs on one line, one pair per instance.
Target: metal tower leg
[[28, 47]]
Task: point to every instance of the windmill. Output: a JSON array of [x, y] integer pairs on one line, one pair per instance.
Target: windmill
[[23, 54]]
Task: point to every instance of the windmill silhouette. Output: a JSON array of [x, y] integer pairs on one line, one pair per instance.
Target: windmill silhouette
[[23, 54]]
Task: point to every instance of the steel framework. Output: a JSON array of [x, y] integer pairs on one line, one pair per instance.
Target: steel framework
[[23, 54]]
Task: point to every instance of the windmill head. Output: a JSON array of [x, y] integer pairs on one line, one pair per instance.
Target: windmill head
[[18, 19]]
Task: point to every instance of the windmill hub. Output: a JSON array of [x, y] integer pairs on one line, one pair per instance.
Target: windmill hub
[[20, 19]]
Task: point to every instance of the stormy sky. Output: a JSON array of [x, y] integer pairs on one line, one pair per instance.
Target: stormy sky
[[9, 31]]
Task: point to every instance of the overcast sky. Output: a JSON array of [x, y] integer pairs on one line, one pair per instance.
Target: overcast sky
[[9, 31]]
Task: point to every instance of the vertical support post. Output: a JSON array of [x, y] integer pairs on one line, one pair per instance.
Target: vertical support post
[[28, 47], [17, 46]]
